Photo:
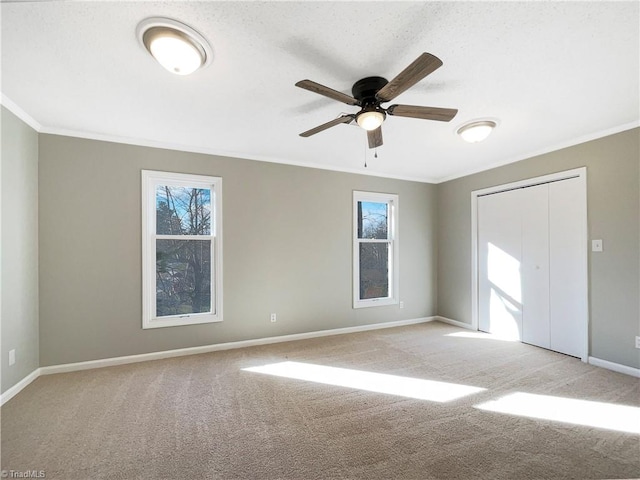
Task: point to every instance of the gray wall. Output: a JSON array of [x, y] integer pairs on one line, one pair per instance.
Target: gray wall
[[287, 249], [19, 191], [613, 189], [274, 216]]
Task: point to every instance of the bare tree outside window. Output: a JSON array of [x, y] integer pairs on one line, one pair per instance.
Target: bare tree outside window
[[374, 257], [183, 265], [375, 249]]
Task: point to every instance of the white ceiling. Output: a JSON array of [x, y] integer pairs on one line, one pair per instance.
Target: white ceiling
[[552, 73]]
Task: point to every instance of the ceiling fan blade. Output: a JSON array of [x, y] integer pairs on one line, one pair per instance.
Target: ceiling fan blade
[[324, 126], [426, 113], [420, 68], [327, 92], [375, 137]]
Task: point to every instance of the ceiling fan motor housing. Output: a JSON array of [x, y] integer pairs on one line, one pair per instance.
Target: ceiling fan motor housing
[[365, 90]]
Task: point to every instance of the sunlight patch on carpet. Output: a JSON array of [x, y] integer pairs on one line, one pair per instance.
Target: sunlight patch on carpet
[[370, 381], [484, 336], [610, 416]]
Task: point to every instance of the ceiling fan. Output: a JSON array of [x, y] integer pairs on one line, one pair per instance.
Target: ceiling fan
[[370, 92]]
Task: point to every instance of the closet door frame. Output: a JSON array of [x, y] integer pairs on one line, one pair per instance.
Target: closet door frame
[[581, 175]]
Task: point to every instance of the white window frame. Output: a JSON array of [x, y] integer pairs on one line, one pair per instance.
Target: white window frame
[[150, 180], [394, 252]]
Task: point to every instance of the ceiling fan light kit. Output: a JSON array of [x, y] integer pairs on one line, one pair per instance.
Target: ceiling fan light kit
[[370, 92], [370, 119], [176, 46], [476, 130]]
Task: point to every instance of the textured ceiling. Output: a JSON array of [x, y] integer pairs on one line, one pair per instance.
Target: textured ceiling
[[552, 73]]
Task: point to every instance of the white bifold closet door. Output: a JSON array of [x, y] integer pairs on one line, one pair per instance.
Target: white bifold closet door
[[568, 299], [535, 264], [500, 259], [530, 284]]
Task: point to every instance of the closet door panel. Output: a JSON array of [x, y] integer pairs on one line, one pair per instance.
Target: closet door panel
[[568, 302], [499, 255], [535, 265]]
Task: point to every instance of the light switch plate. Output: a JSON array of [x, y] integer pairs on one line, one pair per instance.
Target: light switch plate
[[596, 245]]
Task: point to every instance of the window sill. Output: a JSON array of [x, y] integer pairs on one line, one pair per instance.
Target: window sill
[[180, 321], [377, 302]]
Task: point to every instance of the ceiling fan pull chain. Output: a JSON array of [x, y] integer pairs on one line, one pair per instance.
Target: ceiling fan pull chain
[[365, 155]]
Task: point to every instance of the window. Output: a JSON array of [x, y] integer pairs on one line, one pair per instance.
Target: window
[[375, 249], [181, 249]]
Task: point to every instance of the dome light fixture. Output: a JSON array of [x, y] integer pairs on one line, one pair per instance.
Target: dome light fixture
[[174, 45], [476, 131], [370, 119]]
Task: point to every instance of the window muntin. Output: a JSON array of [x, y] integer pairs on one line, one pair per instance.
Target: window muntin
[[375, 249], [182, 245]]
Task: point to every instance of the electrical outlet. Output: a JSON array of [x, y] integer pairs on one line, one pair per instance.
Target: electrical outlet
[[637, 341], [401, 304], [273, 317], [12, 357], [596, 245]]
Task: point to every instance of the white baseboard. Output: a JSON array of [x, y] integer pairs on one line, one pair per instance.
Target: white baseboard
[[13, 391], [454, 322], [108, 362], [616, 367]]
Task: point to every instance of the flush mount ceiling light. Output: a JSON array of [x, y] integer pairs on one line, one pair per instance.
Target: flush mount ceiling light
[[476, 131], [176, 46]]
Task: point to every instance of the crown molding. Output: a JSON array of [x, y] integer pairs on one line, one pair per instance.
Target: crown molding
[[19, 112]]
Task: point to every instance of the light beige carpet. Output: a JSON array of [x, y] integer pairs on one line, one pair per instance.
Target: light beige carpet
[[204, 417]]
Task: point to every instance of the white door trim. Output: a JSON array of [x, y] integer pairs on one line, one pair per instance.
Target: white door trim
[[581, 174]]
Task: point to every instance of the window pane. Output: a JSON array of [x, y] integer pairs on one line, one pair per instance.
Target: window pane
[[373, 220], [374, 270], [183, 210], [183, 277]]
